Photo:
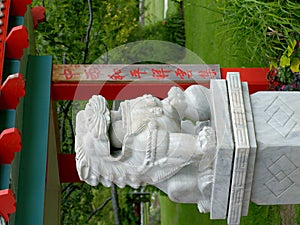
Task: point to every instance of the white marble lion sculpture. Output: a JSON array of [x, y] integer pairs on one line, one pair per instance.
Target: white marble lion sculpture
[[166, 143]]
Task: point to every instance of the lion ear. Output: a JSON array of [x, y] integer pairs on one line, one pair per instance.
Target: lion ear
[[96, 125], [97, 117]]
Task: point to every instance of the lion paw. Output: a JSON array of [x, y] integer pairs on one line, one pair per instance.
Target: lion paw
[[207, 140]]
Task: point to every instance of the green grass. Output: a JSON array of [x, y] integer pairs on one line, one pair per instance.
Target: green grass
[[183, 214], [205, 36], [188, 214]]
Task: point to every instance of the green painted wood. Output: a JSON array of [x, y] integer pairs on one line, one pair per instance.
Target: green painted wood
[[15, 21], [32, 170], [7, 119], [4, 176], [15, 167], [11, 66], [53, 191], [28, 23]]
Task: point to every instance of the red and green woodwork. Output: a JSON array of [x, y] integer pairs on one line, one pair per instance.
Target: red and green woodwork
[[13, 39]]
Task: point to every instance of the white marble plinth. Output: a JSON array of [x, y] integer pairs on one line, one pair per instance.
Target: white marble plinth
[[277, 128], [252, 152], [260, 159], [241, 148], [223, 163]]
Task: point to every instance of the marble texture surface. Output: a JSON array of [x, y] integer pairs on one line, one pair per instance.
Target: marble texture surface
[[223, 163], [242, 147], [252, 152], [277, 128], [142, 142]]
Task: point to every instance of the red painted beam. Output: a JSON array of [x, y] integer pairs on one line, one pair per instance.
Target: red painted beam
[[256, 78], [3, 33], [67, 168], [19, 7], [112, 91]]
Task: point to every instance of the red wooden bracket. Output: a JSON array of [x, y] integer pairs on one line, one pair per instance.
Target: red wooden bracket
[[7, 203], [12, 89], [38, 15], [256, 77], [10, 142], [19, 7], [16, 41]]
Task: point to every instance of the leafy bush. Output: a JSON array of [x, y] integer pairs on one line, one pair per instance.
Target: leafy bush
[[171, 30], [285, 74], [175, 32]]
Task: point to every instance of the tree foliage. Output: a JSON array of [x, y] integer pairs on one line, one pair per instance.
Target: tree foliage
[[63, 33]]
